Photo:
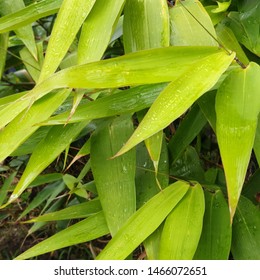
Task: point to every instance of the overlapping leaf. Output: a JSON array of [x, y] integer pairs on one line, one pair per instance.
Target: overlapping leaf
[[179, 95], [143, 222], [183, 226]]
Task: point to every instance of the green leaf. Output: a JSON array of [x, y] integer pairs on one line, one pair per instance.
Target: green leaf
[[3, 48], [98, 29], [215, 240], [179, 95], [78, 211], [229, 40], [188, 166], [237, 109], [146, 25], [5, 187], [251, 189], [183, 226], [71, 16], [86, 230], [31, 64], [245, 25], [186, 30], [24, 124], [114, 178], [122, 102], [43, 195], [222, 6], [29, 14], [144, 222], [188, 129], [24, 33], [246, 231], [257, 142], [142, 67], [152, 244], [145, 178], [58, 138]]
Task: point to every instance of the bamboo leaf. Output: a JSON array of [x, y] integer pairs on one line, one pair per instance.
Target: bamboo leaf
[[215, 240], [143, 67], [3, 48], [86, 230], [98, 29], [29, 14], [78, 211], [145, 178], [47, 192], [185, 29], [257, 142], [58, 138], [179, 95], [188, 129], [146, 25], [143, 222], [24, 125], [246, 231], [31, 64], [237, 109], [229, 40], [24, 33], [122, 102], [183, 226], [71, 16], [114, 178]]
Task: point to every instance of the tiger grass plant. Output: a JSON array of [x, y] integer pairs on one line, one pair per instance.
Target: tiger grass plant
[[137, 85]]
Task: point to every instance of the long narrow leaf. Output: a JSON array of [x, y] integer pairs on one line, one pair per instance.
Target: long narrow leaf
[[78, 211], [237, 109], [25, 33], [146, 25], [186, 30], [29, 14], [145, 67], [24, 125], [71, 15], [98, 29], [45, 152], [215, 240], [179, 95], [114, 178], [183, 226], [246, 231], [86, 230], [143, 222]]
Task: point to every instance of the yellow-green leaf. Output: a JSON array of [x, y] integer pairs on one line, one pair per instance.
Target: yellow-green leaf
[[24, 125], [179, 95], [186, 30], [146, 25], [86, 230], [143, 222], [183, 226], [71, 16], [237, 109], [114, 178], [98, 29], [25, 33], [215, 240]]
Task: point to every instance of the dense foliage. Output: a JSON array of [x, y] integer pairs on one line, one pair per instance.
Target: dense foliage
[[130, 125]]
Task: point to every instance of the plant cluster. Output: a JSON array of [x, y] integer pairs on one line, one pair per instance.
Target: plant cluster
[[134, 122]]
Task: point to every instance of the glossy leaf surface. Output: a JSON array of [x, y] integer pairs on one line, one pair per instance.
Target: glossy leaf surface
[[183, 226], [237, 109], [143, 222]]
